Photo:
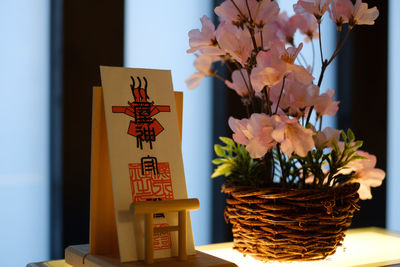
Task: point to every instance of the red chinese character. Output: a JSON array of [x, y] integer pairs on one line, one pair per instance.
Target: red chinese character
[[162, 240], [150, 184], [143, 127]]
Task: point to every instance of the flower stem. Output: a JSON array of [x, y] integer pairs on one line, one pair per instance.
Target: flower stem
[[278, 149], [266, 98], [320, 42], [280, 95]]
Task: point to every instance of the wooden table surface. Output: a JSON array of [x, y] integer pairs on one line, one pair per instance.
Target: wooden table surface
[[362, 247]]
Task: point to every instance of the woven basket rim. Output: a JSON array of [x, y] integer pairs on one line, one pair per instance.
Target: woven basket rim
[[288, 224], [282, 189], [278, 192]]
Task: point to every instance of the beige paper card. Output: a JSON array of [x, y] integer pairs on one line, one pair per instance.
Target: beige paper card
[[145, 155]]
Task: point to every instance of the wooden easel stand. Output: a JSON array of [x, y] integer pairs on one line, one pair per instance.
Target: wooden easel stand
[[150, 208]]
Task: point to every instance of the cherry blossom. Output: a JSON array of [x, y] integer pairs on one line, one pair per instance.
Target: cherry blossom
[[343, 11], [204, 40], [240, 82], [235, 42], [366, 174], [313, 7], [265, 12], [237, 11], [307, 25], [340, 11], [228, 11], [255, 133], [274, 64], [269, 36], [203, 65], [296, 97], [285, 27], [325, 138], [362, 15], [325, 105], [240, 133], [270, 69], [292, 136]]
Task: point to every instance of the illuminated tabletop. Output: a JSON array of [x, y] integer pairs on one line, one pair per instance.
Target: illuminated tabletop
[[361, 247]]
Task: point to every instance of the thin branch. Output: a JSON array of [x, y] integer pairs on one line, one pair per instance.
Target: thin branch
[[337, 50], [280, 95], [248, 10], [313, 56], [326, 63], [213, 74], [238, 9], [252, 95], [304, 60], [320, 42], [266, 98]]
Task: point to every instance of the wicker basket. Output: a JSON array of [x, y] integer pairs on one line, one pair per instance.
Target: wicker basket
[[275, 224]]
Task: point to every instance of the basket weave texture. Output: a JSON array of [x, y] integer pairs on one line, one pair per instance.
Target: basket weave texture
[[276, 224]]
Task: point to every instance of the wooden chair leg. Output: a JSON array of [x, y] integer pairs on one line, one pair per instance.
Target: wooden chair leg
[[182, 235], [149, 253]]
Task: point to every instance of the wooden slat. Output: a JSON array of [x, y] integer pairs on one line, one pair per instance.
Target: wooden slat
[[166, 229], [164, 206]]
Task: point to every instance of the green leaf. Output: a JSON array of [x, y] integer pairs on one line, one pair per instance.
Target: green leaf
[[218, 161], [223, 169], [350, 134], [343, 135], [227, 141], [219, 151], [358, 157], [227, 148], [336, 145], [358, 144]]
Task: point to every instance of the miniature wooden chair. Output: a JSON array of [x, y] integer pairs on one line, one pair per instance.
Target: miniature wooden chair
[[150, 208]]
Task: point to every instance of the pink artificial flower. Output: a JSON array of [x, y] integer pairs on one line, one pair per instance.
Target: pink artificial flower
[[325, 105], [262, 12], [269, 36], [343, 11], [340, 11], [270, 69], [265, 12], [292, 136], [285, 27], [302, 96], [326, 136], [366, 174], [362, 15], [254, 133], [229, 12], [296, 97], [203, 65], [313, 7], [240, 82], [274, 64], [204, 40], [235, 42], [240, 133], [289, 55], [307, 25]]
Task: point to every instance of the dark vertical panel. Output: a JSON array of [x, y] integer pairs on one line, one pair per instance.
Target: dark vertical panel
[[363, 92], [92, 36], [221, 232], [56, 146], [226, 103]]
